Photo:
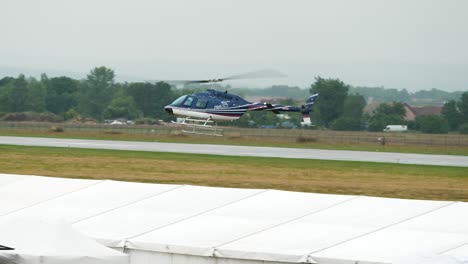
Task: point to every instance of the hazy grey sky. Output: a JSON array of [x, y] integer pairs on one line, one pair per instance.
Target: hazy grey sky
[[413, 44]]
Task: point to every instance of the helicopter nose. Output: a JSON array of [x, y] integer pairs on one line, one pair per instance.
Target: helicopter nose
[[168, 109]]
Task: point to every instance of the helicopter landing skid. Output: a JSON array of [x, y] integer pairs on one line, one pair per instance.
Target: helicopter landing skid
[[200, 127]]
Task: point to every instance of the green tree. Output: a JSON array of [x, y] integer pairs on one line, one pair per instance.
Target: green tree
[[150, 99], [351, 119], [36, 96], [4, 94], [70, 114], [383, 95], [122, 107], [354, 106], [18, 95], [464, 128], [452, 115], [61, 93], [264, 118], [4, 81], [96, 92], [257, 118], [330, 102], [387, 114], [346, 123], [432, 124], [463, 106]]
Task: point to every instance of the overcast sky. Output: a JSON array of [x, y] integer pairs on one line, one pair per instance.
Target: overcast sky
[[413, 44]]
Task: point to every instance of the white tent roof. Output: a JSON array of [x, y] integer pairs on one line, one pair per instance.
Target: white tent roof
[[159, 211], [51, 242], [8, 178], [329, 228], [200, 234], [248, 224], [91, 200], [29, 191]]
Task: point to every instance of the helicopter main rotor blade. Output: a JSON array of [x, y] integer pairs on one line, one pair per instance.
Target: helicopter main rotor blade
[[250, 75], [174, 82], [267, 73], [181, 82], [203, 81]]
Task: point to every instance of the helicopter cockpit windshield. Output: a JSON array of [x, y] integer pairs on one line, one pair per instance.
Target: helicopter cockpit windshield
[[179, 100]]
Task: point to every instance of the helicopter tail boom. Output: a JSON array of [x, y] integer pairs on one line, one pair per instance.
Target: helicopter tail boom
[[304, 109]]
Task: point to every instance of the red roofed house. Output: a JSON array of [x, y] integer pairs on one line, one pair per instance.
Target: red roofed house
[[411, 112]]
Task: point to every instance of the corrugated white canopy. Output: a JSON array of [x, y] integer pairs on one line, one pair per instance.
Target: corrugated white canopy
[[245, 224]]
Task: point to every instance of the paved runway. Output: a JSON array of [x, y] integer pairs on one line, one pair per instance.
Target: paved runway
[[404, 158]]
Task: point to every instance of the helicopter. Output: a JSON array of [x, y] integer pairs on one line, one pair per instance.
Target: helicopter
[[200, 111]]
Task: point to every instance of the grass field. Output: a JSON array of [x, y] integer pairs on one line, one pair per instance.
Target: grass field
[[246, 141], [374, 179]]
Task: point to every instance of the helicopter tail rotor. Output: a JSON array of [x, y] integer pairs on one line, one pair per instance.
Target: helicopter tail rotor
[[311, 100], [307, 108]]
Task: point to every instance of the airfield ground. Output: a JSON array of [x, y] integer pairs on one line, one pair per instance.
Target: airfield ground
[[343, 177], [270, 141]]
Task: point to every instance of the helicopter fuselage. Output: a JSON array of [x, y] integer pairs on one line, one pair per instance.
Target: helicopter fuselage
[[201, 110], [214, 105], [222, 106]]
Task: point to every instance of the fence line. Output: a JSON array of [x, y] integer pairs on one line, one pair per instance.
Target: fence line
[[293, 135]]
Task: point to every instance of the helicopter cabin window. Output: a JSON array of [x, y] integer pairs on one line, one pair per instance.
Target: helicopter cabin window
[[188, 101], [201, 103], [179, 100]]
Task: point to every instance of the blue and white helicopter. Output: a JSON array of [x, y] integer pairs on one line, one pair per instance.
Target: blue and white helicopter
[[200, 110]]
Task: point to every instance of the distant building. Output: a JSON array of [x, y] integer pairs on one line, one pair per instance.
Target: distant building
[[411, 112], [371, 106]]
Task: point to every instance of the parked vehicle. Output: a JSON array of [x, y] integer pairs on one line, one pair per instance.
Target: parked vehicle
[[395, 128]]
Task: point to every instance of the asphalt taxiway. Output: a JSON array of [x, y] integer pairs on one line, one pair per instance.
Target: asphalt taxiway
[[291, 153]]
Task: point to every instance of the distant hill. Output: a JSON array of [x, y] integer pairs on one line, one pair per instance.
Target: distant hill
[[423, 97]]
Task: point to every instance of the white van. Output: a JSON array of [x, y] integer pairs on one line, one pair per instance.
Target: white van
[[395, 128]]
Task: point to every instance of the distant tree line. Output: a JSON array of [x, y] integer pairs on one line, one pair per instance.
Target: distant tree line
[[384, 95], [98, 96], [339, 108]]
